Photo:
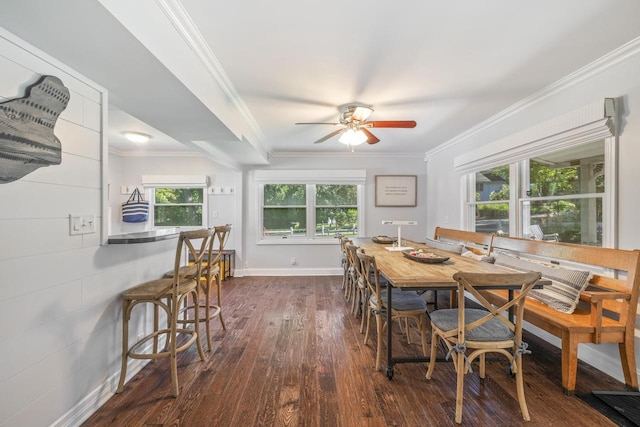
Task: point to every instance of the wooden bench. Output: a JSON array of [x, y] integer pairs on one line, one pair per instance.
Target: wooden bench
[[607, 309], [479, 243], [471, 239]]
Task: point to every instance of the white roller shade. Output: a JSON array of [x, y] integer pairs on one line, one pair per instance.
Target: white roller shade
[[589, 123], [175, 180]]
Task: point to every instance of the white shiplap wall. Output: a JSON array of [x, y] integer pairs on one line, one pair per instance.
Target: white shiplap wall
[[60, 317]]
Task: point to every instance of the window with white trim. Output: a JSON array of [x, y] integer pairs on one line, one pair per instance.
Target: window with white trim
[[553, 181], [490, 204], [178, 207], [315, 206], [177, 200], [560, 194]]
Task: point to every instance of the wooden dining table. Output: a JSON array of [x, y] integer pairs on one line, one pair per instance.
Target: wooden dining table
[[410, 275]]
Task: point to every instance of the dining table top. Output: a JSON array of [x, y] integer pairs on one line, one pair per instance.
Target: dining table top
[[408, 274]]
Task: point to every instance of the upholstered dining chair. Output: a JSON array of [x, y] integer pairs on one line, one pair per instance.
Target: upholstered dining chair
[[405, 305], [483, 331], [168, 294]]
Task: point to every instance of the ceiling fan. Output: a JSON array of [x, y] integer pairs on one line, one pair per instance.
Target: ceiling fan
[[355, 127]]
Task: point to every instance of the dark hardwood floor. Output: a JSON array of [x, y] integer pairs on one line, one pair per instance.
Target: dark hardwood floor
[[293, 355]]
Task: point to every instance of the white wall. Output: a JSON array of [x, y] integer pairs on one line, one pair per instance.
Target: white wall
[[608, 80], [59, 300], [128, 170], [324, 259]]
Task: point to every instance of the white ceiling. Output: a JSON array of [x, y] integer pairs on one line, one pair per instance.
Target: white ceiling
[[235, 76]]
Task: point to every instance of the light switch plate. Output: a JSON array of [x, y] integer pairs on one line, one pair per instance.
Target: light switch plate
[[82, 224]]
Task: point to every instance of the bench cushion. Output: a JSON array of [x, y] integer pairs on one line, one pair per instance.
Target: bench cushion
[[566, 284]]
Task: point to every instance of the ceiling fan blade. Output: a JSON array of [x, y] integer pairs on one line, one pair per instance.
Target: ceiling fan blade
[[361, 113], [371, 138], [331, 135], [391, 124], [318, 123]]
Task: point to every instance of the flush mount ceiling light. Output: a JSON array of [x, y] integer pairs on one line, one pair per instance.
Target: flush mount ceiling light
[[137, 137]]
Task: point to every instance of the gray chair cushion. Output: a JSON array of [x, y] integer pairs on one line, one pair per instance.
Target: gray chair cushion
[[493, 330], [455, 248], [566, 284], [402, 300]]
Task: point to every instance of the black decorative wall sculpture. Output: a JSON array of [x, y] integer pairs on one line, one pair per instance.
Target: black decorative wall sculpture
[[27, 141]]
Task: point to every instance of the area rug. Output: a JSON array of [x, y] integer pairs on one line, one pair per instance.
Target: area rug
[[621, 407]]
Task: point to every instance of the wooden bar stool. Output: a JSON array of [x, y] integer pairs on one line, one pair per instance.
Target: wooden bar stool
[[211, 269], [168, 294]]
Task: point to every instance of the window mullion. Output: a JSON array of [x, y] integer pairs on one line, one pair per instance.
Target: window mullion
[[519, 213], [609, 205], [311, 211], [467, 185]]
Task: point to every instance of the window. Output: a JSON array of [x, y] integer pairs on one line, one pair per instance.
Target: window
[[312, 206], [562, 178], [490, 206], [178, 207], [284, 210], [565, 195], [336, 209], [562, 192], [177, 200]]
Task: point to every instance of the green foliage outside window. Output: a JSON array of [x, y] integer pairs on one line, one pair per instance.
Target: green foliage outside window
[[336, 209], [285, 194], [175, 207], [285, 209], [575, 220]]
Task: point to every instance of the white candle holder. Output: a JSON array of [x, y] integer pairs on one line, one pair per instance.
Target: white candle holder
[[398, 245]]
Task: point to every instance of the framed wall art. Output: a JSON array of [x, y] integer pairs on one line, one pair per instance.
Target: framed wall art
[[396, 190]]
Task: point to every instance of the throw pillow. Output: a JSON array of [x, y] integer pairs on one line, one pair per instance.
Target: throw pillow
[[566, 284], [483, 258]]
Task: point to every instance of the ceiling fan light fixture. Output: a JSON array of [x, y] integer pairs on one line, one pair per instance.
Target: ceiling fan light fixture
[[351, 137], [137, 137]]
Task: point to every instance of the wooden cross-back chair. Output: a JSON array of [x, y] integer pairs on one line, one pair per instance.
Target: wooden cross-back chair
[[345, 265], [210, 270], [169, 294], [406, 305], [356, 287], [483, 330]]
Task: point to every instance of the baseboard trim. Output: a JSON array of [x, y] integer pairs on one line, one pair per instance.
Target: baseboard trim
[[98, 397], [248, 272]]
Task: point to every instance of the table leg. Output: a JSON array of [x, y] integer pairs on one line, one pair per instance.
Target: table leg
[[389, 336], [511, 309]]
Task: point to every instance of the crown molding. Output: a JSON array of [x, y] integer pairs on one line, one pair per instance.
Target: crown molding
[[596, 67], [185, 26], [123, 153]]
